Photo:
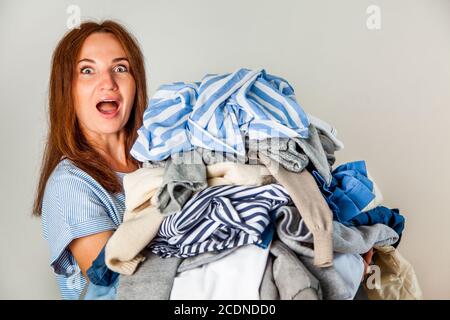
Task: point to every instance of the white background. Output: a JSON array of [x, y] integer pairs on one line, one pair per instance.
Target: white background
[[387, 91]]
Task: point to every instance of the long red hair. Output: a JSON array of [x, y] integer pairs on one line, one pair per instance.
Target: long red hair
[[65, 139]]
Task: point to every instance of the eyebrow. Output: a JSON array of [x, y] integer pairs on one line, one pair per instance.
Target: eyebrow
[[93, 61]]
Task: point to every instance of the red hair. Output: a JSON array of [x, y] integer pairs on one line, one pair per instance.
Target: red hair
[[65, 139]]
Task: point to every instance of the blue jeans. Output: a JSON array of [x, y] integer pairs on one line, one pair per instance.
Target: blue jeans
[[96, 292], [103, 282]]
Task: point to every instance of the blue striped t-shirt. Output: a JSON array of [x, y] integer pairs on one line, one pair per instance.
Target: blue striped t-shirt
[[218, 113], [74, 206]]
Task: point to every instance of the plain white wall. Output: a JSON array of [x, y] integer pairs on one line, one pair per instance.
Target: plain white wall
[[387, 92]]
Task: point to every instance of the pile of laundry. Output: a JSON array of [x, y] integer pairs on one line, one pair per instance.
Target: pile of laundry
[[237, 198]]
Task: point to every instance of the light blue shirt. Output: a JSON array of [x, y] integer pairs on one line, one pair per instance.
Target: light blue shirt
[[218, 113], [75, 206]]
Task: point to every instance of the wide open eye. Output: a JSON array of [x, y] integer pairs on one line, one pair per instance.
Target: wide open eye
[[120, 68], [86, 70]]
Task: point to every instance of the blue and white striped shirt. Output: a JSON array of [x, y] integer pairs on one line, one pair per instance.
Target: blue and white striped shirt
[[218, 113], [218, 218], [74, 206]]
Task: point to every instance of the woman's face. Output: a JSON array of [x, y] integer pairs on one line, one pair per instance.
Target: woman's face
[[103, 87]]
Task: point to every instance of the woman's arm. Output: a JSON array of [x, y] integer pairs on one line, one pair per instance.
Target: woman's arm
[[86, 249]]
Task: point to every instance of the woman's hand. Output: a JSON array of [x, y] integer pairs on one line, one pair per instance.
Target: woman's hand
[[367, 257]]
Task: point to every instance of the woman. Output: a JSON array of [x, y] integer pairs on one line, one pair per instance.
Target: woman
[[96, 101]]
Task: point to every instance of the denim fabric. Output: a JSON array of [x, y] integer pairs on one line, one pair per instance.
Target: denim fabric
[[99, 274], [269, 231], [350, 190], [380, 214], [96, 292]]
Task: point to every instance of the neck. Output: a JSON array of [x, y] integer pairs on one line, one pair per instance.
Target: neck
[[112, 148]]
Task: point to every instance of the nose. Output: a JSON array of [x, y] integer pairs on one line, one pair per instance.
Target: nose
[[107, 82]]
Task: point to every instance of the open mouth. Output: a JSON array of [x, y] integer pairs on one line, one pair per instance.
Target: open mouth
[[108, 107]]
